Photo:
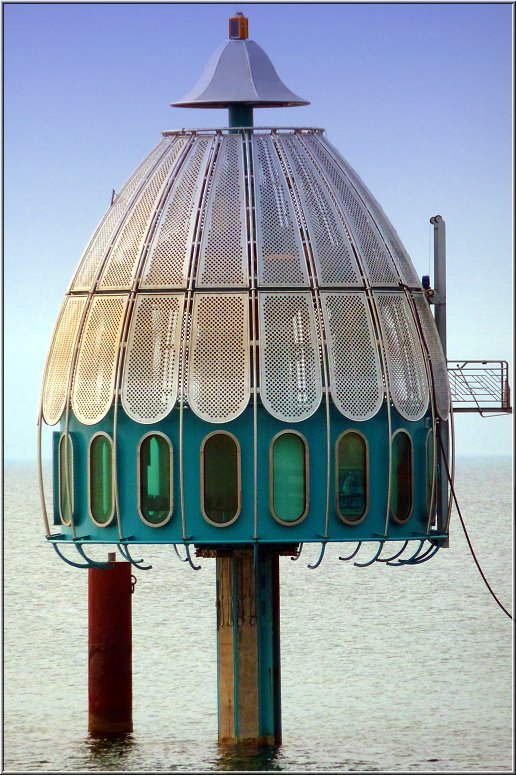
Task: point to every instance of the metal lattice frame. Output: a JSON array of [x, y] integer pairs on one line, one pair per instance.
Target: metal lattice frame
[[101, 240], [333, 254], [118, 273], [281, 259], [223, 257], [435, 352], [355, 372], [92, 391], [219, 360], [150, 378], [60, 358], [290, 369], [406, 370], [168, 261]]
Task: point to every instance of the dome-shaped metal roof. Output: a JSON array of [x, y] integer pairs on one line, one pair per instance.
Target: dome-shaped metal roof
[[232, 263]]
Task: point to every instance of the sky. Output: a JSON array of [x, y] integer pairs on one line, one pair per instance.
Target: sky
[[416, 97]]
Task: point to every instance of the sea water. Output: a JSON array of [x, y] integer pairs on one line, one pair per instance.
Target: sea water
[[383, 668]]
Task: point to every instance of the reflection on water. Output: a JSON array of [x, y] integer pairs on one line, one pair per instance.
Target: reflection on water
[[383, 669]]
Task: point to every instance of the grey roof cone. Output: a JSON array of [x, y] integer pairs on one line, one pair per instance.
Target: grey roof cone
[[240, 71]]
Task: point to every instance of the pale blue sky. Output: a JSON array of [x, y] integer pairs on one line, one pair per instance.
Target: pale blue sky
[[417, 97]]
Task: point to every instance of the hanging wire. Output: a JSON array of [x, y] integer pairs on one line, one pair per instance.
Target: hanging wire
[[468, 539]]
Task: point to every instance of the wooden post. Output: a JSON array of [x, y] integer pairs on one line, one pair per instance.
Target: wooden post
[[110, 649], [248, 646]]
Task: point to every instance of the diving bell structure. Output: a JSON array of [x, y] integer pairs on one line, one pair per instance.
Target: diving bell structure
[[245, 354]]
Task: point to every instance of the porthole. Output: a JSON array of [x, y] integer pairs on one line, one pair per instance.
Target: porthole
[[401, 476], [154, 483], [429, 472], [65, 483], [352, 477], [100, 484], [220, 478], [289, 477]]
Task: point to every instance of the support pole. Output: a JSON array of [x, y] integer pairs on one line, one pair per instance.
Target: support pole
[[110, 693], [248, 646], [439, 301]]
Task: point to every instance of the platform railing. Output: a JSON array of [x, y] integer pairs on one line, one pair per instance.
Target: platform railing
[[480, 386]]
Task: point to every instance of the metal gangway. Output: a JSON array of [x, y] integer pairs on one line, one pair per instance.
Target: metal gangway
[[480, 386]]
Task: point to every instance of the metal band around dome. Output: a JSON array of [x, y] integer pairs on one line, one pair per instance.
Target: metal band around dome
[[92, 392], [118, 273], [408, 382], [101, 240], [438, 363], [355, 373], [223, 254], [290, 368], [150, 377], [333, 255], [377, 262], [60, 358], [281, 258], [168, 261], [219, 359]]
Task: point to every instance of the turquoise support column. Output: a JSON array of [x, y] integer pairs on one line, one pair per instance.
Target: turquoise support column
[[240, 115]]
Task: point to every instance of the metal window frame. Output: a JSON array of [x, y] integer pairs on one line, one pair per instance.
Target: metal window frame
[[110, 520], [71, 489], [347, 432], [138, 479], [430, 506], [239, 478], [292, 432], [411, 510]]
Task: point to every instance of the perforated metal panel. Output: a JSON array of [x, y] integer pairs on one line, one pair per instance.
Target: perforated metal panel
[[94, 377], [223, 256], [281, 257], [219, 362], [149, 385], [333, 255], [118, 274], [407, 376], [356, 383], [168, 260], [60, 358], [290, 369], [102, 238], [438, 363], [407, 271], [377, 262]]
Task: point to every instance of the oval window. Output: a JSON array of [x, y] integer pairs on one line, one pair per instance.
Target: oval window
[[155, 479], [66, 480], [429, 470], [401, 476], [101, 479], [289, 480], [352, 480], [220, 476]]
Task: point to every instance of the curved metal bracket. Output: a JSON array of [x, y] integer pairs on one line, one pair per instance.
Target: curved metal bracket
[[298, 555], [394, 556], [323, 549], [195, 567], [181, 559], [410, 559], [373, 559], [124, 551], [427, 555], [353, 554], [91, 563], [69, 562]]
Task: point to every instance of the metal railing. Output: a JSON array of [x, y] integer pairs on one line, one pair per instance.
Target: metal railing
[[480, 386]]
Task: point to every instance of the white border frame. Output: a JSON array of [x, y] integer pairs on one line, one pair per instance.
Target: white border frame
[[271, 478], [138, 479], [239, 478], [411, 510], [350, 522], [109, 521], [71, 489]]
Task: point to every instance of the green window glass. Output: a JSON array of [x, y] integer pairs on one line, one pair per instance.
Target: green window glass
[[101, 479], [352, 476], [401, 477], [221, 478], [66, 479], [289, 477], [155, 479], [429, 469]]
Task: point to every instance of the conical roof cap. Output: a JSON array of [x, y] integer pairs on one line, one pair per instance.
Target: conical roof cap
[[240, 71]]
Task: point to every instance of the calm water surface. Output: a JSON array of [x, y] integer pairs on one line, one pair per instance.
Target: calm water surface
[[383, 668]]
